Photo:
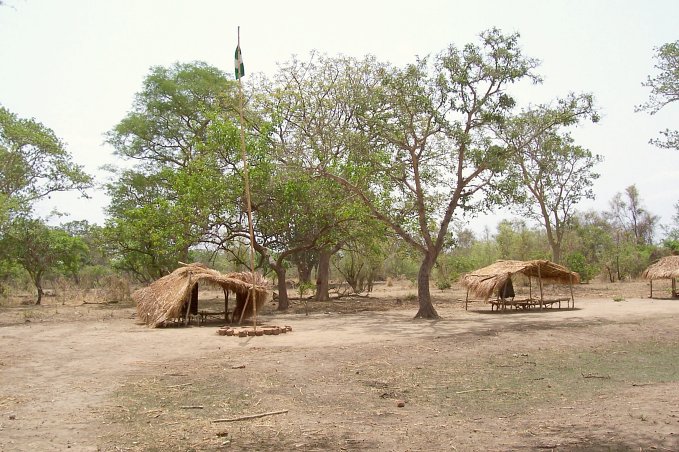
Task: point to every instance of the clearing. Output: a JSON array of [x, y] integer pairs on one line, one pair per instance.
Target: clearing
[[603, 376]]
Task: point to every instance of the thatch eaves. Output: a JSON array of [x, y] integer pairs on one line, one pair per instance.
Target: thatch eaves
[[665, 268], [165, 298], [486, 281]]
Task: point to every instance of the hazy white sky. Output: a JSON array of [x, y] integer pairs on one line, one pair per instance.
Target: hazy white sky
[[75, 65]]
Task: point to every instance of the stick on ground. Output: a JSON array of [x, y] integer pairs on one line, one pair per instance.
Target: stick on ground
[[252, 416]]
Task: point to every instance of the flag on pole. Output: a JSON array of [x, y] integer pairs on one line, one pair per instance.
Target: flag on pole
[[238, 63]]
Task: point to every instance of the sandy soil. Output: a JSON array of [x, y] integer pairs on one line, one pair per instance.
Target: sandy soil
[[603, 376]]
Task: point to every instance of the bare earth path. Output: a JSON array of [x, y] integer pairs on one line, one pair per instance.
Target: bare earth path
[[62, 384]]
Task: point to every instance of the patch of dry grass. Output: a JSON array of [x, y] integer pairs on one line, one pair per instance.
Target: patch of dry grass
[[336, 397]]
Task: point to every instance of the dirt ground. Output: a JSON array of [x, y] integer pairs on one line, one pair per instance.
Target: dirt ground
[[603, 377]]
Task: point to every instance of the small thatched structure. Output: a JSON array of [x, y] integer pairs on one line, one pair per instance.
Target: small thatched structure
[[665, 268], [490, 280], [170, 296]]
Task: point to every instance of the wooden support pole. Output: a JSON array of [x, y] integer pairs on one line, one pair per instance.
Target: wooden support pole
[[188, 304], [651, 296], [674, 288], [540, 281], [571, 286], [226, 304], [466, 301], [245, 306]]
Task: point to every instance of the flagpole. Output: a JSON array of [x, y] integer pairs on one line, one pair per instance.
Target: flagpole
[[246, 180]]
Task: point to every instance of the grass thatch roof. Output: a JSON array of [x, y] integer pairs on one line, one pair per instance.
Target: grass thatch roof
[[486, 281], [165, 298], [665, 268]]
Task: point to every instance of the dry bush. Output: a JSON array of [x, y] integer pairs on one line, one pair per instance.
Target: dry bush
[[115, 289], [67, 291]]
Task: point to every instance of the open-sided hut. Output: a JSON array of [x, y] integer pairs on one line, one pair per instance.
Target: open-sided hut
[[665, 268], [173, 296], [488, 281]]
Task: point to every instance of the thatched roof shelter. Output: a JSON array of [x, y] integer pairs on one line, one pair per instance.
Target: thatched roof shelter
[[167, 297], [487, 281], [665, 268]]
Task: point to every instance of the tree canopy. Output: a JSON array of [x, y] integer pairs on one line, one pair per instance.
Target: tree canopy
[[34, 163], [664, 90], [416, 145]]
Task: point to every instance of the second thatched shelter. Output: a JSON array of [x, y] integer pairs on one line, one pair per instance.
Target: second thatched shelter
[[170, 296], [487, 281], [665, 268]]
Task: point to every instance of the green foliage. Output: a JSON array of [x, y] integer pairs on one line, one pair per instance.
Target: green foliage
[[516, 241], [305, 287], [553, 173], [664, 90], [181, 133], [576, 262], [413, 144], [632, 259], [591, 236], [672, 245], [360, 262], [671, 240], [35, 164], [443, 284], [40, 249]]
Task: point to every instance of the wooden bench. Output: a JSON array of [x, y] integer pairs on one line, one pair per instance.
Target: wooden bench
[[528, 303], [204, 315]]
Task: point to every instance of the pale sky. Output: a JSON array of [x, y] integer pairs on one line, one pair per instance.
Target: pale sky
[[75, 65]]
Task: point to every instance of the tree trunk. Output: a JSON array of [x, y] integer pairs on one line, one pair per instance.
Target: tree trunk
[[323, 276], [305, 261], [283, 302], [304, 271], [37, 280], [426, 310], [556, 253]]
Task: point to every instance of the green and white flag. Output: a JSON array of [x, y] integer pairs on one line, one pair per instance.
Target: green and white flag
[[238, 63]]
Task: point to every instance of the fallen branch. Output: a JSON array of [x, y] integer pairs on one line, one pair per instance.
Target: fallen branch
[[474, 390], [605, 377], [192, 407], [181, 385], [252, 416]]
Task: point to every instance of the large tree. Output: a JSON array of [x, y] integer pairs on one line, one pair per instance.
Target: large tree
[[34, 163], [311, 121], [664, 90], [182, 183], [417, 144], [553, 173], [631, 219]]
